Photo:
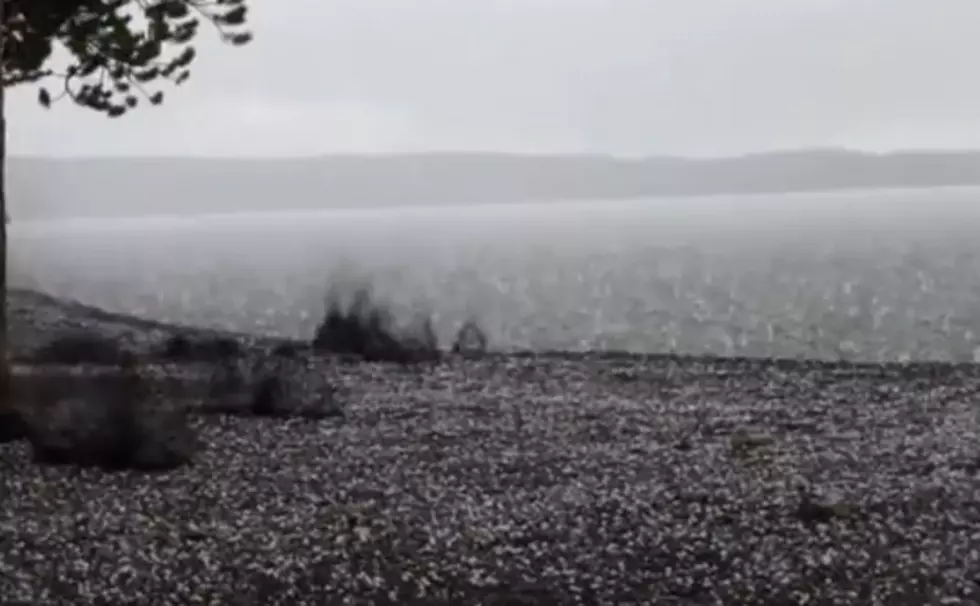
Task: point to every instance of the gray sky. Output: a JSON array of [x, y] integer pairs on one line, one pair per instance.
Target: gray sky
[[690, 77]]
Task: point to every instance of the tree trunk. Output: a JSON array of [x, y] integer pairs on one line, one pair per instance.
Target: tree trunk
[[4, 352]]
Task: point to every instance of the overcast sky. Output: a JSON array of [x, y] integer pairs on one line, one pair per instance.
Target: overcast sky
[[629, 77]]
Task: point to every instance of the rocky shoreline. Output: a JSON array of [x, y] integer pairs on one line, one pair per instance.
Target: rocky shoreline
[[525, 479]]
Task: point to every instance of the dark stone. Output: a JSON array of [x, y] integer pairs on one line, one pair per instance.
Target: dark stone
[[684, 444], [813, 510]]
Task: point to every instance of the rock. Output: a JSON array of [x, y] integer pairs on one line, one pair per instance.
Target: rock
[[277, 386], [288, 350], [810, 427], [742, 440], [624, 374], [684, 444], [366, 329], [813, 509], [182, 348]]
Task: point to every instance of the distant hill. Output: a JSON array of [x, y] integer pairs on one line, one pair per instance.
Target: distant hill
[[43, 188]]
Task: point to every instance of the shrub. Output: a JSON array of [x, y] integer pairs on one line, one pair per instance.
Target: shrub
[[287, 350], [108, 420], [82, 347], [228, 379], [177, 347], [182, 348], [11, 426], [280, 386], [813, 509], [287, 387], [366, 329]]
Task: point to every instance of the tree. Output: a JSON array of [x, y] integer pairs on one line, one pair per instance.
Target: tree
[[117, 49], [117, 54]]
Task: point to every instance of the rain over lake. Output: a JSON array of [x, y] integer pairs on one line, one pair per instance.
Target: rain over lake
[[888, 274]]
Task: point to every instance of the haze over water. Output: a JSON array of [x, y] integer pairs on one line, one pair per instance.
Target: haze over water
[[865, 275]]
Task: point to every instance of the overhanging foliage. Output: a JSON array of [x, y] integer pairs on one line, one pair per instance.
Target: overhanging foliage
[[119, 52]]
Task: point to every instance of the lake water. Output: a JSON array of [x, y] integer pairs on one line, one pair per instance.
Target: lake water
[[868, 275]]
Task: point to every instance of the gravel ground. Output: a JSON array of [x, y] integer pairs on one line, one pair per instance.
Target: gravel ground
[[535, 480]]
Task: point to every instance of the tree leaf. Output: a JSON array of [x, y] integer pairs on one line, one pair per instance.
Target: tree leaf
[[238, 39], [175, 9], [112, 46], [44, 98], [235, 16]]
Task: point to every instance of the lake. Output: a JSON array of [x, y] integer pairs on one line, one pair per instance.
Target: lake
[[859, 275]]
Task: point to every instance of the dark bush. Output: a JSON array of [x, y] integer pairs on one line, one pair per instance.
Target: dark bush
[[82, 347], [11, 423], [177, 347], [278, 387], [228, 379], [366, 329], [182, 348], [287, 350], [470, 339], [289, 388], [12, 426], [108, 420]]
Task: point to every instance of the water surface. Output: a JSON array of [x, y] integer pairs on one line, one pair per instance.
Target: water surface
[[865, 275]]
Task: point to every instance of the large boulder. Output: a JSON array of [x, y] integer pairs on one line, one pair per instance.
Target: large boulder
[[229, 378], [294, 389]]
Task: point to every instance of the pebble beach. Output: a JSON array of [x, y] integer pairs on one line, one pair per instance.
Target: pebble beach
[[528, 479]]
